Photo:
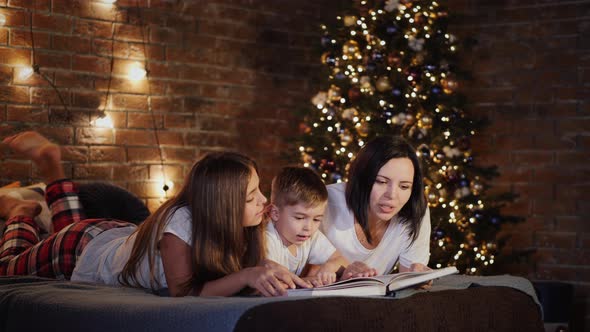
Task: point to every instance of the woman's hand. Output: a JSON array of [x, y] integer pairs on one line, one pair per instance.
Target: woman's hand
[[272, 279], [417, 267], [358, 269]]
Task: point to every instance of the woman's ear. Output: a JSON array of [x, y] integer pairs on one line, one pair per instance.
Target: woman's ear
[[273, 212]]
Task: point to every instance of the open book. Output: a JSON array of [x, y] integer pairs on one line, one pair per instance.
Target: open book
[[378, 285]]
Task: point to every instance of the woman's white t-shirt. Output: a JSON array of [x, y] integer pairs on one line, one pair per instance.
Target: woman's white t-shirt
[[316, 250], [105, 256], [338, 226]]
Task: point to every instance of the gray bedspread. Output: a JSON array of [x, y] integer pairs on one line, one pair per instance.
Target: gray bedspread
[[34, 304]]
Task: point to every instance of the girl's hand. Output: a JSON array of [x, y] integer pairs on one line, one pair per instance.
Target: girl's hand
[[272, 279], [358, 269], [321, 278]]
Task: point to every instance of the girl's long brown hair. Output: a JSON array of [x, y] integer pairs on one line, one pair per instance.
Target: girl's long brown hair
[[215, 194]]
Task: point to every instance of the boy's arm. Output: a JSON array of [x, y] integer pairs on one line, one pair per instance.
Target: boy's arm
[[328, 272]]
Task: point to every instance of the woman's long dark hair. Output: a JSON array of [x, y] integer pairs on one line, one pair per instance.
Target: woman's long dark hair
[[363, 172], [215, 194]]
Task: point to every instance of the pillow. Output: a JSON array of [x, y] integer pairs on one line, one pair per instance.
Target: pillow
[[35, 192]]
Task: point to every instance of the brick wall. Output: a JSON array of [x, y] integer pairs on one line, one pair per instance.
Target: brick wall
[[228, 74], [532, 80], [222, 75]]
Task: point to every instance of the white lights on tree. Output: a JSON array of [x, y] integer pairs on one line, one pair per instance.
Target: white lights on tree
[[136, 72]]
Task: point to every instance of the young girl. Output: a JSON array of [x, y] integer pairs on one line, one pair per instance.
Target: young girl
[[207, 240], [379, 216]]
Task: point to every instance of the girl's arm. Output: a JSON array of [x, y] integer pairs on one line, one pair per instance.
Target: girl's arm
[[268, 279]]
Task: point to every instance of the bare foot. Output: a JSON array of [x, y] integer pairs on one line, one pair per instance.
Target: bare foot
[[11, 207], [46, 155]]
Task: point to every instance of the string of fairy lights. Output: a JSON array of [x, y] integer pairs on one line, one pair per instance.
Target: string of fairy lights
[[387, 73], [136, 72]]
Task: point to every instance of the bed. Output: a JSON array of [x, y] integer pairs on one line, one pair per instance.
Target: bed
[[455, 303]]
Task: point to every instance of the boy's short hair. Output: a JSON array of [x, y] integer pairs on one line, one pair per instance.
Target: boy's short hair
[[294, 185]]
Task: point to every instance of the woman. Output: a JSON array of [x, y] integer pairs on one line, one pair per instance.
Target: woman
[[380, 216]]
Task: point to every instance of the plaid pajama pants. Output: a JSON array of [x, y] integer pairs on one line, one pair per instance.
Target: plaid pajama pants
[[23, 253]]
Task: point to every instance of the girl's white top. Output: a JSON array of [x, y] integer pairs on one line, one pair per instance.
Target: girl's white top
[[105, 256]]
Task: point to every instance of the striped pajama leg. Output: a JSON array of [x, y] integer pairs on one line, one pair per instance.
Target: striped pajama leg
[[21, 252]]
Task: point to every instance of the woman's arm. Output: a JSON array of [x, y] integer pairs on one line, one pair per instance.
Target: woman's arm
[[268, 279]]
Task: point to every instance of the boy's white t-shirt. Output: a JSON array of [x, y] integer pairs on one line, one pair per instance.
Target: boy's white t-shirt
[[316, 250], [338, 226], [105, 256]]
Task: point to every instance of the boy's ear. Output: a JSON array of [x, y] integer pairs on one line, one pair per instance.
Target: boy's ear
[[274, 212]]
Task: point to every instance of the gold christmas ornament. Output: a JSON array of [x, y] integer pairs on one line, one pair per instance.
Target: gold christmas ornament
[[383, 84], [424, 121], [449, 85], [363, 129], [350, 48], [349, 113], [345, 137], [349, 20], [334, 93]]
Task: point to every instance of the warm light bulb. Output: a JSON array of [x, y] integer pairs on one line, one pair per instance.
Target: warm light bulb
[[110, 2], [103, 122], [2, 19], [136, 72], [25, 73]]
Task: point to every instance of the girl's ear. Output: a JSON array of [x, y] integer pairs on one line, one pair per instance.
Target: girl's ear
[[274, 212]]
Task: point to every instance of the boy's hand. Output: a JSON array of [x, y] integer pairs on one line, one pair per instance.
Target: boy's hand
[[358, 269]]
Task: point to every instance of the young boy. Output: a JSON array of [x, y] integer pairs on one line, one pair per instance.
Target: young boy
[[298, 201]]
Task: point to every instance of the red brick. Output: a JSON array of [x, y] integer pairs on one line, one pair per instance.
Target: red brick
[[552, 272], [165, 36], [15, 18], [87, 99], [166, 104], [573, 159], [535, 159], [129, 102], [144, 155], [171, 173], [128, 32], [5, 75], [566, 240], [134, 138], [41, 5], [22, 38], [59, 135], [130, 172], [53, 60], [88, 9], [210, 140], [3, 36], [94, 136], [576, 191], [90, 28], [77, 154], [557, 174], [572, 224], [92, 64], [27, 114], [93, 172], [16, 169], [72, 44], [15, 57], [53, 23], [179, 154], [74, 80], [107, 153], [553, 207], [179, 121], [144, 120], [163, 70], [48, 96], [535, 191], [14, 94], [170, 138]]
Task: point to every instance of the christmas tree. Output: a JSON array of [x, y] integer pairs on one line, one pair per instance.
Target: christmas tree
[[392, 68]]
